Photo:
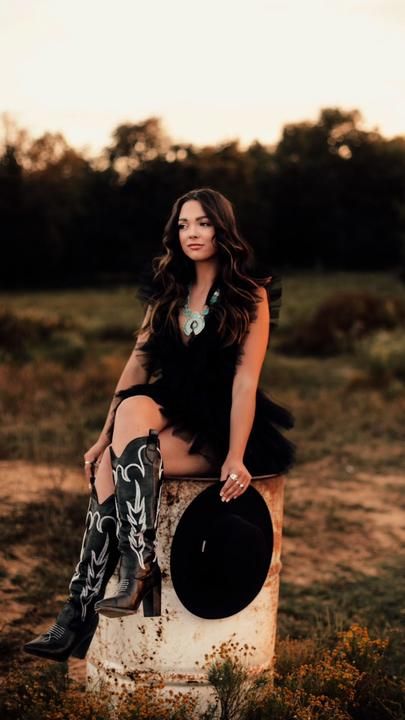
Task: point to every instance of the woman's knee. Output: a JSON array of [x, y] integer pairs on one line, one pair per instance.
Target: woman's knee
[[138, 407], [135, 416]]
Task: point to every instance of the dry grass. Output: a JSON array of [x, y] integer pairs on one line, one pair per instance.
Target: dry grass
[[347, 681], [344, 509], [54, 401]]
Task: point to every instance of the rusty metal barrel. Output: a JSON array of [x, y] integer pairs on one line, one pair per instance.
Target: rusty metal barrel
[[169, 650]]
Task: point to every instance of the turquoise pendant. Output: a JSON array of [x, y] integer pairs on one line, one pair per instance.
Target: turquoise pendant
[[195, 322]]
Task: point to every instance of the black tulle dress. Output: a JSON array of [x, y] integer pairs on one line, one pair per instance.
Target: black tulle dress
[[192, 383]]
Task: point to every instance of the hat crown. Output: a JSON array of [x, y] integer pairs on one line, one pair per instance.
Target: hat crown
[[218, 567]]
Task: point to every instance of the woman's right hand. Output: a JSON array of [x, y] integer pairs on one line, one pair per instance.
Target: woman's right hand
[[93, 456]]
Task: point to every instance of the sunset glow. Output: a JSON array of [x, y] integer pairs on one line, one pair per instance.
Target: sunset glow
[[212, 71]]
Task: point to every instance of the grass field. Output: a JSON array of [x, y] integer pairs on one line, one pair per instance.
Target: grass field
[[344, 519]]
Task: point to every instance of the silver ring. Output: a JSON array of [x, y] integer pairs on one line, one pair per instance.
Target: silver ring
[[241, 485], [233, 476], [89, 462]]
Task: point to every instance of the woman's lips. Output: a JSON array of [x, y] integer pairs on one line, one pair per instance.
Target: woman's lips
[[195, 246]]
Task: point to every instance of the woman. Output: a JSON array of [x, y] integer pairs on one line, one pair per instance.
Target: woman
[[193, 377]]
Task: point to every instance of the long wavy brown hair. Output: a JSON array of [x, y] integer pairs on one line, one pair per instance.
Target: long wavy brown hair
[[173, 271]]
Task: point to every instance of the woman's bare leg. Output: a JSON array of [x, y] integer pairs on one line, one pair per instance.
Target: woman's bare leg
[[176, 458], [134, 417], [104, 479], [137, 500], [137, 462]]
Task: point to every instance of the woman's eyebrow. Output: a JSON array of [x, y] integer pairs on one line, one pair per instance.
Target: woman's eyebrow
[[201, 217]]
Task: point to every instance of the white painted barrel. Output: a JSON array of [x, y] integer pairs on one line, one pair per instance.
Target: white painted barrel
[[169, 650]]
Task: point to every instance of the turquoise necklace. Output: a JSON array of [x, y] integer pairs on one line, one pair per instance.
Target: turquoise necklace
[[196, 320]]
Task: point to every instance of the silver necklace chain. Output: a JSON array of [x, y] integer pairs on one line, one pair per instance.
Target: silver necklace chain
[[195, 321]]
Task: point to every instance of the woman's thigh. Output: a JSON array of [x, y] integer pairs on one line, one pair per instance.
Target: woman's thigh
[[176, 458], [136, 415]]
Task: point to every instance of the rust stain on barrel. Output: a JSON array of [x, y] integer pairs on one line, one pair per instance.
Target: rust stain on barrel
[[172, 649]]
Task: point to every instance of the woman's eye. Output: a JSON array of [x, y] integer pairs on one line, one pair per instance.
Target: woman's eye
[[181, 227]]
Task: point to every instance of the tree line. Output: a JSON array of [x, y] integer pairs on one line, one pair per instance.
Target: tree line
[[329, 195]]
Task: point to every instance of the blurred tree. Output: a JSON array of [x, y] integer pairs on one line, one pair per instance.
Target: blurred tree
[[133, 145], [45, 152], [338, 191], [259, 204], [56, 198], [12, 218], [328, 195]]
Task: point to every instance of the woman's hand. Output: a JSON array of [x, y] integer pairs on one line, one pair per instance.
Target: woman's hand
[[234, 487], [93, 456]]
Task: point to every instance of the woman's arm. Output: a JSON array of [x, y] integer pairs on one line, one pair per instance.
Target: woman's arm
[[244, 388], [133, 374]]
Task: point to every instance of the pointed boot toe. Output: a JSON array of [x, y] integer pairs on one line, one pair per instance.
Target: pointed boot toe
[[63, 639], [73, 630]]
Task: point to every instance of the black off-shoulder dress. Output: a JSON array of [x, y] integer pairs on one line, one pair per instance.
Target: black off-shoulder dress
[[192, 384]]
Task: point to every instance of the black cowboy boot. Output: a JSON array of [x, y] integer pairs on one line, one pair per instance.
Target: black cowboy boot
[[76, 623], [138, 481]]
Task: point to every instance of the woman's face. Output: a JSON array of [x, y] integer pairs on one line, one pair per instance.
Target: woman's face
[[196, 232]]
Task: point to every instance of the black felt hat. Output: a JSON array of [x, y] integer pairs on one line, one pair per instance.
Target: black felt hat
[[221, 552]]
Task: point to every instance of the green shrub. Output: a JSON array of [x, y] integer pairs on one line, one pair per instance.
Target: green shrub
[[21, 333], [47, 694], [66, 348], [341, 320], [237, 690], [382, 357], [349, 681]]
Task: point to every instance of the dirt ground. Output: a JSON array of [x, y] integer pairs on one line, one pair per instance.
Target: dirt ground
[[21, 482], [335, 517], [338, 517]]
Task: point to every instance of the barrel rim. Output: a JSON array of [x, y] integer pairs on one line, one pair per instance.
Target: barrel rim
[[206, 479]]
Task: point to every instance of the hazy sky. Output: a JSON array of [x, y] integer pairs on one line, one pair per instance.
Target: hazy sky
[[212, 70]]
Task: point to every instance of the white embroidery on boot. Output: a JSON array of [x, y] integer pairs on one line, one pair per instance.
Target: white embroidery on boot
[[124, 470], [136, 514], [56, 632], [95, 574], [137, 520], [101, 561]]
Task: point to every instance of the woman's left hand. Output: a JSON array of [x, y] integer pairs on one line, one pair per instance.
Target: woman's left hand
[[234, 487]]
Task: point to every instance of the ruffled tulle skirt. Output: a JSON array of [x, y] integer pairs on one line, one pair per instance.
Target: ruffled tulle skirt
[[268, 451]]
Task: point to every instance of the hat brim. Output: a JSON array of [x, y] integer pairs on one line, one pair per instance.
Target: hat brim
[[225, 580]]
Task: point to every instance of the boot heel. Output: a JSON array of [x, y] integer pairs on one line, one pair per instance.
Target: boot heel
[[152, 601]]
